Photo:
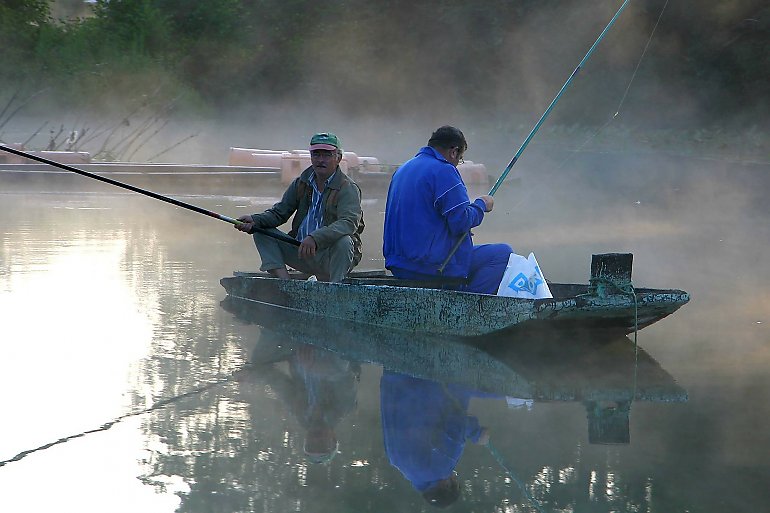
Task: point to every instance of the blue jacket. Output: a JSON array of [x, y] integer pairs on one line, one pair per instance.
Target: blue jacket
[[427, 211], [425, 427]]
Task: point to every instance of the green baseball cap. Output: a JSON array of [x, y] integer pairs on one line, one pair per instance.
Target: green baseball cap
[[324, 141]]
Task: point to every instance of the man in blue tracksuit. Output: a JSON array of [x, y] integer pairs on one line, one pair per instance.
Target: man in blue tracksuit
[[427, 212]]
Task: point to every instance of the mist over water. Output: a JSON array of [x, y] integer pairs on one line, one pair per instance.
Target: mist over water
[[391, 77], [110, 301], [113, 300]]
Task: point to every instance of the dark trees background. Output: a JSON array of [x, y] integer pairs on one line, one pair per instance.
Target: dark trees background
[[708, 62]]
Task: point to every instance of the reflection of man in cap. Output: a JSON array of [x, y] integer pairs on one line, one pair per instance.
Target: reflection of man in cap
[[327, 222], [319, 388]]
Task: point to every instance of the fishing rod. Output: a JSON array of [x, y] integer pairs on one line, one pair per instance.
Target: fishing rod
[[539, 124], [194, 208]]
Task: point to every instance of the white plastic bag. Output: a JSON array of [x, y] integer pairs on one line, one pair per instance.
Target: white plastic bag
[[516, 403], [523, 278]]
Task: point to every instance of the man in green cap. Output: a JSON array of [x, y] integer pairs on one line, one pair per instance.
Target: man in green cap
[[327, 222]]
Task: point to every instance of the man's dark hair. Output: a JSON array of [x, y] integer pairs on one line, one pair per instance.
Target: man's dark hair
[[444, 493], [447, 137]]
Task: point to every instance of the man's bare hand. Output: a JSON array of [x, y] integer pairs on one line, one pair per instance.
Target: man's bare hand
[[489, 201], [246, 224], [484, 436], [307, 247]]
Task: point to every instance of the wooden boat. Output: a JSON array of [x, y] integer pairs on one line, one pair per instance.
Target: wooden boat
[[607, 302]]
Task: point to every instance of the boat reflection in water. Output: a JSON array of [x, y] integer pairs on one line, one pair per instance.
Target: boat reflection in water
[[427, 383]]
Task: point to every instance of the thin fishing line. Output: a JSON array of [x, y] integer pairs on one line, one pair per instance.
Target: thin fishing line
[[537, 126], [601, 285], [641, 58], [107, 425], [625, 93], [617, 109], [630, 287], [496, 455]]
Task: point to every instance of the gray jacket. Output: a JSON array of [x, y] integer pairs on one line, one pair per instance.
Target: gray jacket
[[342, 211]]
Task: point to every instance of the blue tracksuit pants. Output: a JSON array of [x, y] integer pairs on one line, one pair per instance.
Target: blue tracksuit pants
[[488, 262]]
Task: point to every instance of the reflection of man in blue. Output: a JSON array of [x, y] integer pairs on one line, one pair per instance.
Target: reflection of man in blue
[[425, 425]]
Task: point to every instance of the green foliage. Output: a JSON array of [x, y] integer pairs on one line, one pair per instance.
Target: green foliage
[[19, 17], [22, 22], [138, 27], [401, 56]]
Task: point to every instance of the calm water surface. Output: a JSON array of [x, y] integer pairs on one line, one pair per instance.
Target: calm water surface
[[129, 385]]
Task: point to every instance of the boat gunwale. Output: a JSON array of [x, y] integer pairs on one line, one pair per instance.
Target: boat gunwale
[[391, 283]]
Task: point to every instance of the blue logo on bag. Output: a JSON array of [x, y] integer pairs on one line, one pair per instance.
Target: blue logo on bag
[[522, 283]]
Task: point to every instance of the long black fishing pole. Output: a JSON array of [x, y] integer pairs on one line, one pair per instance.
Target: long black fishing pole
[[273, 234], [539, 124]]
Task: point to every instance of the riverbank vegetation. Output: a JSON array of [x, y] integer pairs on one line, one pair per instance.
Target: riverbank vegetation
[[705, 68]]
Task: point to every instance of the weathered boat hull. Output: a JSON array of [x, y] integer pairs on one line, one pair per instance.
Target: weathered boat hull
[[380, 302]]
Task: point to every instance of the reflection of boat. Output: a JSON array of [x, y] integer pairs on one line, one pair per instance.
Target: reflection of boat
[[607, 302], [544, 369], [606, 373]]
